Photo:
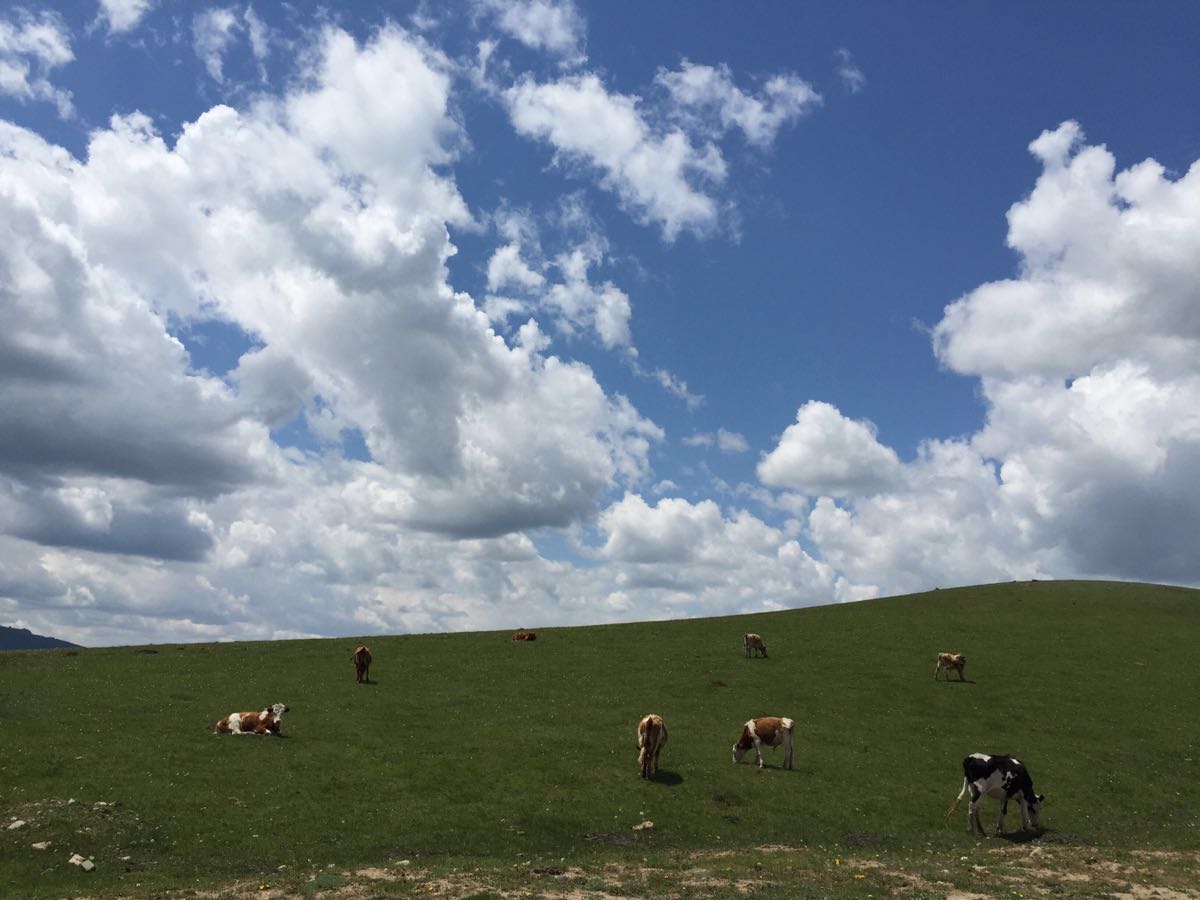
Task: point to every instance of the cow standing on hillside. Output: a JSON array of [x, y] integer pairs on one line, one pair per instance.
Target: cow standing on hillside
[[754, 643], [769, 730], [524, 635], [949, 661], [651, 736], [1004, 778], [362, 664], [265, 722]]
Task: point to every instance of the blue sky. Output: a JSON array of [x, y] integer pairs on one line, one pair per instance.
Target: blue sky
[[527, 312]]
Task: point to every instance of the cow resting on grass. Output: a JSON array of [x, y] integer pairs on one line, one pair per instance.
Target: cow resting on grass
[[651, 735], [769, 730], [1004, 778], [524, 636], [265, 722], [754, 643], [949, 661], [362, 664]]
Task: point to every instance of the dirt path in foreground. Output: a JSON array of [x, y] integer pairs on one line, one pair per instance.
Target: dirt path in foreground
[[1008, 871]]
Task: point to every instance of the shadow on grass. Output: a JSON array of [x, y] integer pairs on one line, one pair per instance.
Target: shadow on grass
[[670, 779], [1024, 837]]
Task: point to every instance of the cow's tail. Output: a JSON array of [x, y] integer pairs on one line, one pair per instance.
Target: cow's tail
[[957, 800]]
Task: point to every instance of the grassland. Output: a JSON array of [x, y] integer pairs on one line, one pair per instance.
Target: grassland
[[476, 766]]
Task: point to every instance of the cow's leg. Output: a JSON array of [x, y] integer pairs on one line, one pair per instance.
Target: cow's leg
[[973, 824], [787, 750], [1025, 823], [1000, 821], [758, 750], [936, 669]]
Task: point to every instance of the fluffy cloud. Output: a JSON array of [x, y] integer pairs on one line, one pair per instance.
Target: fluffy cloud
[[1089, 462], [315, 224], [694, 559], [573, 300], [826, 453], [651, 172], [124, 15], [212, 32], [31, 47], [555, 26], [707, 97]]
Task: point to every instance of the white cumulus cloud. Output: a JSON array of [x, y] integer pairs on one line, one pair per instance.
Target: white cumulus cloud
[[826, 453], [124, 15], [708, 96], [31, 47], [653, 172], [1089, 460]]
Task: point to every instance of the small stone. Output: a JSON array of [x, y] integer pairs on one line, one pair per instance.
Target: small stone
[[19, 823], [76, 859], [644, 826], [87, 865], [41, 845]]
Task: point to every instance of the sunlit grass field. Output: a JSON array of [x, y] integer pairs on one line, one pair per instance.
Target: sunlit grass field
[[469, 750]]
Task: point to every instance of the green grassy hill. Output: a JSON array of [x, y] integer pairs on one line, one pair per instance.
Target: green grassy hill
[[471, 751]]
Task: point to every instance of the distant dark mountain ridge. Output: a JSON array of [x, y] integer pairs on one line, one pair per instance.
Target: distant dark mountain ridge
[[24, 639]]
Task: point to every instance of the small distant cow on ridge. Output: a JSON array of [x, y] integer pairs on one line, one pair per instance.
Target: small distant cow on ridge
[[949, 661], [362, 664], [769, 730], [524, 636], [651, 735], [754, 644], [265, 722]]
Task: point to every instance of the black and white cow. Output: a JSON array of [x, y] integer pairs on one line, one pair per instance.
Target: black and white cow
[[1004, 778]]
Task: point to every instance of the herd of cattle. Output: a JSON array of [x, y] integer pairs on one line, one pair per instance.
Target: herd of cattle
[[1001, 777]]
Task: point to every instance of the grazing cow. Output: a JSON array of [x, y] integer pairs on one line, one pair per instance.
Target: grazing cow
[[524, 636], [949, 661], [362, 664], [769, 730], [651, 735], [1002, 777], [265, 722], [754, 643]]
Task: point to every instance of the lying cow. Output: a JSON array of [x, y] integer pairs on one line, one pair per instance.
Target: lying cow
[[524, 636], [651, 735], [754, 643], [265, 722], [362, 664], [949, 661], [769, 730], [1004, 778]]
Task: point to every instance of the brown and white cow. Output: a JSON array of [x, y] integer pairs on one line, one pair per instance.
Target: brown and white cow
[[769, 730], [362, 664], [949, 661], [524, 636], [266, 721], [651, 735], [754, 643]]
